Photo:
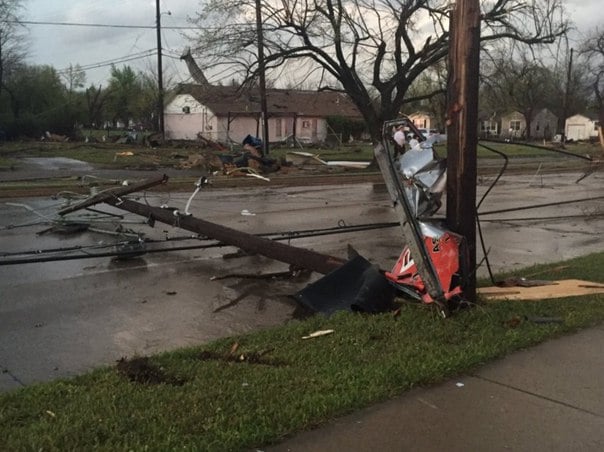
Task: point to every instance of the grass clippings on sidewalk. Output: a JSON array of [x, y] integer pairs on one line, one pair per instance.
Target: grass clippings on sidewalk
[[250, 390]]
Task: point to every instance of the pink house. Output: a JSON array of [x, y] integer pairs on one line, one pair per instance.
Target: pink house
[[228, 114]]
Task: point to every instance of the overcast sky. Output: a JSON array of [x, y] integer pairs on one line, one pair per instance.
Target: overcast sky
[[61, 46]]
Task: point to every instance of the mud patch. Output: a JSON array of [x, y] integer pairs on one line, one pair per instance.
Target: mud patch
[[141, 370]]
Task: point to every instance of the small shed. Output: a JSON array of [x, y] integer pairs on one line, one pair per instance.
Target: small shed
[[581, 127]]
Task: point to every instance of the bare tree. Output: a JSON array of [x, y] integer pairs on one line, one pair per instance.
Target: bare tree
[[428, 93], [371, 49], [74, 77], [12, 42], [593, 51], [95, 104], [520, 83]]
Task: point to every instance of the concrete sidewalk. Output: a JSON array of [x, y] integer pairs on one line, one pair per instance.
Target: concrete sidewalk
[[547, 398]]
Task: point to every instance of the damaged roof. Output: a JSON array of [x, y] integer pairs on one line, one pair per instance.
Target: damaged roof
[[223, 100]]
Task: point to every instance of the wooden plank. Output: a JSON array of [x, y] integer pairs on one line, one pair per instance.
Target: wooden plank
[[560, 289]]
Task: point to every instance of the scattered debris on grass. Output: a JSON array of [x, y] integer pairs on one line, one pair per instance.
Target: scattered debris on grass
[[247, 357], [318, 334]]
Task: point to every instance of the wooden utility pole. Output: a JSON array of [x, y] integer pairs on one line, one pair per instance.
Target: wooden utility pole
[[261, 70], [569, 75], [160, 81], [462, 129]]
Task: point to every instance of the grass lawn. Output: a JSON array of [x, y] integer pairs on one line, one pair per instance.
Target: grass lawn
[[103, 155], [246, 391]]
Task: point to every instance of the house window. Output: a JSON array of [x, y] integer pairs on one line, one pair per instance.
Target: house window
[[515, 125], [596, 125], [186, 110], [306, 124], [537, 127]]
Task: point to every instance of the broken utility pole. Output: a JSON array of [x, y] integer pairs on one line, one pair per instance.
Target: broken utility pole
[[114, 194], [297, 257], [462, 129]]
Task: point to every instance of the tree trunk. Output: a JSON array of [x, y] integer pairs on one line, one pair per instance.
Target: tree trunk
[[528, 116]]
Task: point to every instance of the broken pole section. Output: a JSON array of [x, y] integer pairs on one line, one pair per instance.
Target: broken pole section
[[114, 194], [462, 131], [297, 257]]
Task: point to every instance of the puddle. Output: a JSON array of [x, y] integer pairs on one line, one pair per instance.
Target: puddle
[[57, 163]]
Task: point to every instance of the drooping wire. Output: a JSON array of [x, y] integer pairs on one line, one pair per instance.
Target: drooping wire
[[480, 234], [501, 171]]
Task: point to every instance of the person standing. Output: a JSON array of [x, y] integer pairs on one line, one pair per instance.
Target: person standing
[[399, 140]]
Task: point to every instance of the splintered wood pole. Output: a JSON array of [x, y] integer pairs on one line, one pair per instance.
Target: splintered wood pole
[[297, 257], [262, 80], [462, 129]]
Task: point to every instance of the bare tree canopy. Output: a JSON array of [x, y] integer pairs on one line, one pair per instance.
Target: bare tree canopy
[[12, 49], [521, 84], [371, 49], [593, 52]]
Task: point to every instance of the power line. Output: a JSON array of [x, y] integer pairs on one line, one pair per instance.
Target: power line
[[96, 25], [77, 24], [123, 59]]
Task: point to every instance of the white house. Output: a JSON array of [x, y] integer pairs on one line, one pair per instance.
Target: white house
[[581, 127], [228, 114]]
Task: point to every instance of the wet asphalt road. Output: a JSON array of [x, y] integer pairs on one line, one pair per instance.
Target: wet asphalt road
[[63, 318]]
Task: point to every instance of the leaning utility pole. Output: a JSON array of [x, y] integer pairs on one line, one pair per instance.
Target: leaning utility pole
[[462, 130], [160, 81], [261, 70], [569, 74]]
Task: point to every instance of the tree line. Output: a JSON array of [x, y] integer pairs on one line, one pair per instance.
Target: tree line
[[36, 99], [387, 55]]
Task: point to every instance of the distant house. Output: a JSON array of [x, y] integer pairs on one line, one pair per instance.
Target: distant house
[[424, 120], [543, 125], [228, 114], [513, 125], [581, 127]]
